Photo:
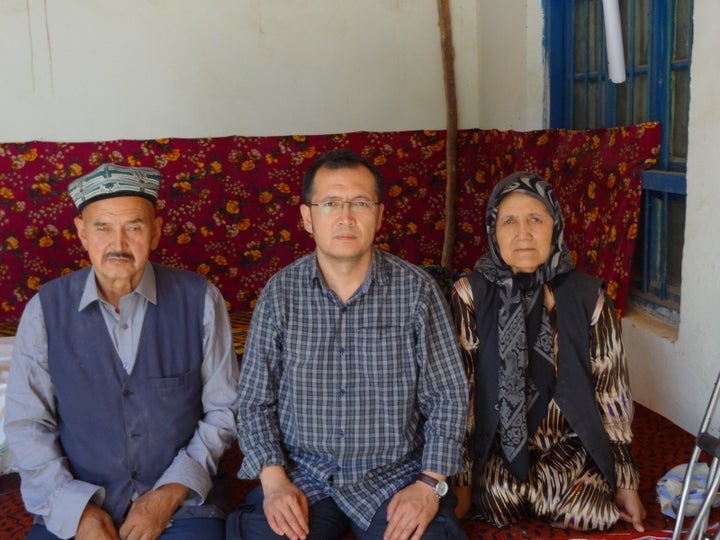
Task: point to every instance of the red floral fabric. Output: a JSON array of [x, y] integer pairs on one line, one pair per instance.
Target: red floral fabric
[[231, 204], [598, 180]]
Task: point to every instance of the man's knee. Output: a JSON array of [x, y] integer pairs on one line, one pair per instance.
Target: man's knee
[[444, 526], [248, 522], [194, 528], [39, 532]]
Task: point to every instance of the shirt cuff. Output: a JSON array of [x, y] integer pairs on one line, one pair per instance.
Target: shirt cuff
[[67, 505], [627, 475], [444, 456], [188, 472], [258, 458]]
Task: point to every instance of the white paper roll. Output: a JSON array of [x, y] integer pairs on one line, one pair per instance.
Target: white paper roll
[[613, 41]]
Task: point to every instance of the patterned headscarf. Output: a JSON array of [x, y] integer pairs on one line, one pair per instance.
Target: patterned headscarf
[[525, 340]]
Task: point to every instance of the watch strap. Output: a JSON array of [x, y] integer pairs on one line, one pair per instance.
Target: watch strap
[[430, 481]]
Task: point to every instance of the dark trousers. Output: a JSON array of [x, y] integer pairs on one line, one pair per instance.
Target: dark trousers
[[328, 521], [182, 529]]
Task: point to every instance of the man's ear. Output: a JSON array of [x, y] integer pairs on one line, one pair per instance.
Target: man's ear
[[306, 218], [157, 232], [80, 226]]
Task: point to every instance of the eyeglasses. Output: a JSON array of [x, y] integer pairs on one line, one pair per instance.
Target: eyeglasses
[[334, 207]]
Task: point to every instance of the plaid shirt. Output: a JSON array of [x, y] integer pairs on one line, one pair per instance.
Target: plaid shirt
[[353, 399]]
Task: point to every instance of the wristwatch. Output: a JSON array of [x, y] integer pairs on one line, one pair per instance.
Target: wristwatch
[[440, 487]]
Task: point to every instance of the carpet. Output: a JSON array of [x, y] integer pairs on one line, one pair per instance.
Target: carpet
[[658, 445]]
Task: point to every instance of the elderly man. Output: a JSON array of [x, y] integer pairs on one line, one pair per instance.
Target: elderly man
[[123, 381], [353, 399]]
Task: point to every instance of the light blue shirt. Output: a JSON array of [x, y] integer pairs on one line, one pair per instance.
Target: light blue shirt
[[31, 424]]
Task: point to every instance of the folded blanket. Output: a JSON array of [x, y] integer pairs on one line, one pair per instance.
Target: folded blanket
[[6, 345]]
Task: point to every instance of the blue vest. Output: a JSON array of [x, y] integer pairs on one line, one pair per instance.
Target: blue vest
[[122, 431]]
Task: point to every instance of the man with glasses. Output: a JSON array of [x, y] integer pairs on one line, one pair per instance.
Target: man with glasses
[[353, 398]]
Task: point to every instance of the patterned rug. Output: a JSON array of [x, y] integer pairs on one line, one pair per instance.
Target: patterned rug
[[659, 445]]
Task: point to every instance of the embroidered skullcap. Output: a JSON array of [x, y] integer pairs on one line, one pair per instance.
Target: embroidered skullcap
[[110, 180]]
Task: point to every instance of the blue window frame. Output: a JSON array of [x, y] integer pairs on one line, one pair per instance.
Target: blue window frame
[[657, 38]]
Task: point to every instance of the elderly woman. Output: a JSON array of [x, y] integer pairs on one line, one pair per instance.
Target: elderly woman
[[549, 428]]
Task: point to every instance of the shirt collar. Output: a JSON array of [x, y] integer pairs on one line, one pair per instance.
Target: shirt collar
[[145, 288], [378, 272], [379, 268]]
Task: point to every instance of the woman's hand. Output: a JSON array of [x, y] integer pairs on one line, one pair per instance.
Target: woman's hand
[[631, 508]]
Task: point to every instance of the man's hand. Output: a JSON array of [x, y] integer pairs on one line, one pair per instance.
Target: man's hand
[[631, 508], [410, 512], [150, 514], [95, 524], [285, 506]]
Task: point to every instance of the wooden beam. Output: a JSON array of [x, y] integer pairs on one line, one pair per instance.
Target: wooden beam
[[448, 60]]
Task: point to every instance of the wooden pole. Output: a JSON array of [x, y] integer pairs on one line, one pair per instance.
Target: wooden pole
[[448, 60]]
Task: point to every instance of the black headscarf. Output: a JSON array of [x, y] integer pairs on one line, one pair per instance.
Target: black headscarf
[[525, 340]]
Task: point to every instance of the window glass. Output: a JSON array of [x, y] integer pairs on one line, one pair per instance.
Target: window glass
[[657, 38]]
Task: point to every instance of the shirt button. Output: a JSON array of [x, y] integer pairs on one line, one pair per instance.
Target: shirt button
[[342, 392], [342, 433], [123, 326], [342, 350], [497, 406], [343, 309]]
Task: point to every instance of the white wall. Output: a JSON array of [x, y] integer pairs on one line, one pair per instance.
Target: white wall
[[512, 73], [102, 69]]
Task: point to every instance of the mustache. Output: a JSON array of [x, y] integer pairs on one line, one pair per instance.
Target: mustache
[[119, 255]]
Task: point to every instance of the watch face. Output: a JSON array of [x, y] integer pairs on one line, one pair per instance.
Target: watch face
[[441, 489]]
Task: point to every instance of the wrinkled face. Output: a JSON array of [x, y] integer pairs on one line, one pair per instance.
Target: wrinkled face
[[344, 232], [119, 233], [523, 229]]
